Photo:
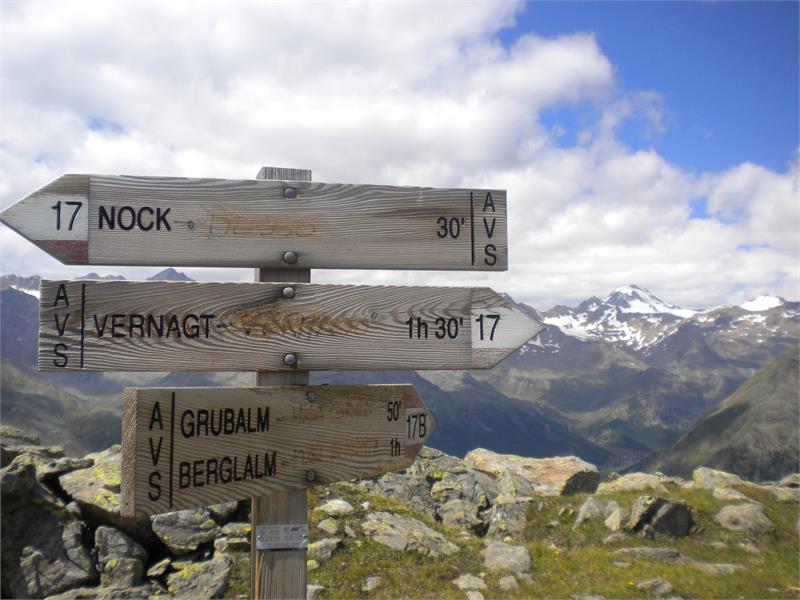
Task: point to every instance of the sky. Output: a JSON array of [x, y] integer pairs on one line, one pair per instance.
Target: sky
[[640, 143]]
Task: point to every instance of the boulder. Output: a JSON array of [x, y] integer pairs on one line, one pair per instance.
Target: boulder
[[786, 494], [406, 533], [507, 583], [96, 490], [725, 493], [499, 556], [471, 486], [183, 531], [750, 518], [323, 549], [329, 526], [673, 557], [615, 519], [120, 560], [336, 508], [159, 568], [223, 513], [469, 582], [634, 482], [508, 516], [407, 488], [563, 475], [42, 550], [669, 517], [312, 589], [591, 509], [790, 481], [201, 580], [659, 587], [460, 514], [708, 479], [145, 590], [232, 544], [236, 529], [474, 595]]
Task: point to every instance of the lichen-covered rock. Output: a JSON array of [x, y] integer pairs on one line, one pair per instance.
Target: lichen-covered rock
[[145, 590], [634, 482], [507, 516], [406, 488], [591, 509], [469, 582], [121, 572], [499, 556], [708, 479], [336, 508], [42, 550], [651, 515], [748, 517], [232, 544], [725, 493], [183, 531], [201, 580], [323, 549], [563, 475], [236, 529], [96, 489], [222, 513], [120, 560], [460, 514], [406, 533], [158, 569], [329, 526], [471, 486], [507, 583]]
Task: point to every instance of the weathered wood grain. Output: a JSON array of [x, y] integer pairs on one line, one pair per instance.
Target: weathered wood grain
[[242, 223], [282, 574], [190, 326], [191, 447]]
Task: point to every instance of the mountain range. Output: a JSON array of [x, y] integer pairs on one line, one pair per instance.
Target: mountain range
[[612, 380]]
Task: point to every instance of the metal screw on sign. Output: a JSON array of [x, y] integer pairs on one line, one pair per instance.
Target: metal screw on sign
[[290, 359], [288, 292], [311, 475], [289, 192], [290, 257]]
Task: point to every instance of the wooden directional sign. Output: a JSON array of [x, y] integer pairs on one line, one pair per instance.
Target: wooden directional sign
[[192, 447], [189, 326], [122, 220]]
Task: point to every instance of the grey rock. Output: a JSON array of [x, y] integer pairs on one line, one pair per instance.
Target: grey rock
[[474, 595], [227, 545], [469, 582], [615, 519], [508, 517], [708, 479], [591, 509], [634, 482], [371, 583], [159, 568], [406, 533], [724, 493], [121, 572], [659, 587], [614, 538], [460, 514], [201, 580], [312, 590], [790, 481], [471, 486], [96, 489], [499, 556], [113, 543], [786, 494], [507, 583], [145, 590], [236, 529], [611, 507], [406, 488], [336, 508], [621, 564], [669, 517], [323, 549], [329, 526], [183, 531], [223, 512], [750, 518], [350, 532], [42, 550], [673, 557]]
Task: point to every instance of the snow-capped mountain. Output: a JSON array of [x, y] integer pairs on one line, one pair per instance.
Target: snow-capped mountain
[[636, 318]]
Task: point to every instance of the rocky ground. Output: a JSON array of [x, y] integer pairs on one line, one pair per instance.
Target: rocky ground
[[486, 526]]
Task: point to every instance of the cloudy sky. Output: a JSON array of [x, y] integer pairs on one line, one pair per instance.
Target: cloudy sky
[[647, 143]]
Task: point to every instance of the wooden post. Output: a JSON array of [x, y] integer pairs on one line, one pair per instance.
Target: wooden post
[[279, 573]]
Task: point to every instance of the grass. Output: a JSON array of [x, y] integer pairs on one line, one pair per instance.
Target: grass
[[566, 561]]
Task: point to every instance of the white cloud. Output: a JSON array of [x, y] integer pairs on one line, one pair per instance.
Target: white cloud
[[396, 93]]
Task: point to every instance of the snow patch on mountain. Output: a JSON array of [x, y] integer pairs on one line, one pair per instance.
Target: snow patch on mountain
[[762, 303], [34, 293], [634, 299]]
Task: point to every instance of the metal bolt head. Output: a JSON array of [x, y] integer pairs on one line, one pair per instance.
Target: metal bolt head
[[288, 292], [290, 257], [289, 192], [311, 475], [312, 397], [290, 359]]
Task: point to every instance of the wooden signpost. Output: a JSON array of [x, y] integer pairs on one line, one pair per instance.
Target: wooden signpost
[[193, 447], [123, 220], [190, 326], [190, 447]]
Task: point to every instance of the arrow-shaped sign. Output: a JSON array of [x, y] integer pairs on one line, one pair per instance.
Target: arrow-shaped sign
[[123, 220], [192, 447], [190, 326]]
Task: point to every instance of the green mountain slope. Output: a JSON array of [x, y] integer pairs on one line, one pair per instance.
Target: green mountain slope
[[753, 432]]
